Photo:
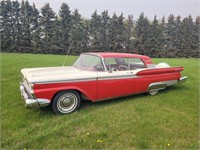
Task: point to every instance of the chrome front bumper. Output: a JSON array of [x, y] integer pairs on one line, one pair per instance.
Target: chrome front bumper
[[32, 102]]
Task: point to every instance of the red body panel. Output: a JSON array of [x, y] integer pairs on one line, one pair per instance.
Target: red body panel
[[114, 88], [143, 81], [146, 59], [121, 87], [160, 71], [49, 90]]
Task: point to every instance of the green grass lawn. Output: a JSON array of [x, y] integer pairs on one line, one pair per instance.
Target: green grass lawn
[[169, 120]]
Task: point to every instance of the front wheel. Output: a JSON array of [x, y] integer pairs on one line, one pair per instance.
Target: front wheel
[[66, 102]]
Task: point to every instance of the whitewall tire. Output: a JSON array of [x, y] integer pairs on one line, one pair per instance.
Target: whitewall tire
[[66, 102]]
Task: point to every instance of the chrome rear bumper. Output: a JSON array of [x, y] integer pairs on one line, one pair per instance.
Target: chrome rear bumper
[[183, 79], [32, 102]]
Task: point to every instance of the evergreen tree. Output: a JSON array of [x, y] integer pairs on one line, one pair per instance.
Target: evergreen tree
[[85, 36], [171, 35], [10, 25], [16, 32], [6, 26], [77, 34], [24, 29], [178, 33], [196, 38], [26, 14], [103, 31], [95, 37], [64, 26], [129, 42], [163, 36], [47, 23], [117, 33], [187, 37], [155, 39], [58, 44], [142, 29], [36, 30]]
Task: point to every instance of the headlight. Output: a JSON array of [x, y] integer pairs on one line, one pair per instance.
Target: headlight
[[30, 87]]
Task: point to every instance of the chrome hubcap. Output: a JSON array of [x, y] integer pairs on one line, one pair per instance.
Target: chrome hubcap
[[153, 92], [67, 102]]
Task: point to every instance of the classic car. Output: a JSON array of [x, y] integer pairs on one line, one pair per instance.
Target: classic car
[[95, 77]]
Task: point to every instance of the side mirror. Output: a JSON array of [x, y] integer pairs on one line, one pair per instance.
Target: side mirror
[[99, 68]]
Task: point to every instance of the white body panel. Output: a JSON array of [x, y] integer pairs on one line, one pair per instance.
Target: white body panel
[[57, 74]]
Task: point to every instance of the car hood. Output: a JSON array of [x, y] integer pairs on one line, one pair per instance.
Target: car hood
[[56, 74], [34, 72]]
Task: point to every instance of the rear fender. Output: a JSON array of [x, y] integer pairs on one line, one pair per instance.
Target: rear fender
[[159, 71]]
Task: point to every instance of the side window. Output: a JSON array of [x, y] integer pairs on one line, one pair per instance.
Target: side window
[[136, 63], [110, 63], [119, 64], [123, 64]]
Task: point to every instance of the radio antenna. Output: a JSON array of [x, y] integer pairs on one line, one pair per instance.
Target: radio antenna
[[67, 53]]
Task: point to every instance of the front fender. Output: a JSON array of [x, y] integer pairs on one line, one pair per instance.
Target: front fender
[[48, 91]]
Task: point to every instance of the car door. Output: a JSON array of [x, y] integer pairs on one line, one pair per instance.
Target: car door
[[114, 82]]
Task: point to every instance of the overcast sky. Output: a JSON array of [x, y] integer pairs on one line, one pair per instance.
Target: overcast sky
[[128, 7]]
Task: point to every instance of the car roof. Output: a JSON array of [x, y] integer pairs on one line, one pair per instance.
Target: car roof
[[118, 55], [122, 55]]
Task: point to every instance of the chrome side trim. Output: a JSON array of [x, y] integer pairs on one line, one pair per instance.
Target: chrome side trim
[[156, 86], [116, 77], [161, 85], [89, 79], [183, 79], [64, 81], [170, 83]]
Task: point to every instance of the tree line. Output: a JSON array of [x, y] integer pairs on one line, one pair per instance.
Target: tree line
[[25, 29]]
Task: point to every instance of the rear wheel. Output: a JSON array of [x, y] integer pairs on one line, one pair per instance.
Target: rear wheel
[[153, 92], [66, 102]]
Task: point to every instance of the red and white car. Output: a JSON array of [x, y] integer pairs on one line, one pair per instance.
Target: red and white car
[[95, 77]]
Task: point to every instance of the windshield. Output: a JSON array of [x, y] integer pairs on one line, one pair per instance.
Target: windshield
[[89, 62]]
